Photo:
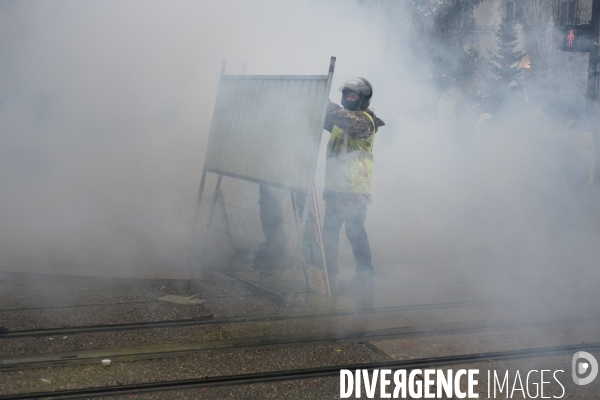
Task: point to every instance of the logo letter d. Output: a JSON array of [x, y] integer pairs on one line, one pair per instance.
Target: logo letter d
[[591, 364]]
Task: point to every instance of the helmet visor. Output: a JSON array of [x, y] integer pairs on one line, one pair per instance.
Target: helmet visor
[[357, 85]]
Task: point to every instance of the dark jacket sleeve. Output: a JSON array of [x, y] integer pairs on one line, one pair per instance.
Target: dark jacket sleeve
[[355, 123]]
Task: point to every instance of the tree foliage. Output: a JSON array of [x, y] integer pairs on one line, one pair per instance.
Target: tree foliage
[[445, 40], [505, 61], [444, 12]]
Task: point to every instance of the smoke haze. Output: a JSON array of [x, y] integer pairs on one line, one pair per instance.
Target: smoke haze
[[105, 113]]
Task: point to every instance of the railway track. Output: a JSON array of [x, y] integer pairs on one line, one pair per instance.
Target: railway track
[[270, 342], [276, 376], [210, 320], [294, 337], [119, 303], [255, 293]]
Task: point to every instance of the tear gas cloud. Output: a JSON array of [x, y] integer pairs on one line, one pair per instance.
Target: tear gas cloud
[[105, 113]]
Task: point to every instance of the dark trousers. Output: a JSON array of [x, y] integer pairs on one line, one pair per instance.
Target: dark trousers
[[354, 218], [271, 219]]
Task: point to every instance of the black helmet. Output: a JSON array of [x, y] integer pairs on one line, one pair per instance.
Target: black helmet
[[360, 86]]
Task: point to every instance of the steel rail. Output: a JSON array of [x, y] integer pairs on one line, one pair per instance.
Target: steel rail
[[210, 320], [260, 343], [118, 303], [319, 372]]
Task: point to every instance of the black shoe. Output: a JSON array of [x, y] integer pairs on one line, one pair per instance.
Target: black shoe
[[260, 263]]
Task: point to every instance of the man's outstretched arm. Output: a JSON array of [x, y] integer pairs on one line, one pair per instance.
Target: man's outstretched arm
[[356, 124]]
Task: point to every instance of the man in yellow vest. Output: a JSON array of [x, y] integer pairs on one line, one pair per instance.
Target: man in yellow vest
[[348, 176]]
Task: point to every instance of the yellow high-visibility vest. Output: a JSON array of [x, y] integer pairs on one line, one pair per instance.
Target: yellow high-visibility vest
[[349, 167]]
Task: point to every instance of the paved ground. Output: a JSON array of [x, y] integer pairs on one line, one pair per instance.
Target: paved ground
[[329, 388], [444, 324]]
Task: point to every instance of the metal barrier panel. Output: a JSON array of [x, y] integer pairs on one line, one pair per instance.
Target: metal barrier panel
[[266, 128], [254, 197], [237, 235]]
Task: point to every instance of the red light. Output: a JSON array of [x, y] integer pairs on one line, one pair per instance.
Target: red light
[[577, 38], [570, 38]]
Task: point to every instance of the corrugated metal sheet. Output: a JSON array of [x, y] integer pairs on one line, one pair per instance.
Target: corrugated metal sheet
[[264, 141], [268, 128]]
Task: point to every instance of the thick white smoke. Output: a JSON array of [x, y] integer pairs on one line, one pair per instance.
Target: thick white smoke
[[106, 109], [105, 112]]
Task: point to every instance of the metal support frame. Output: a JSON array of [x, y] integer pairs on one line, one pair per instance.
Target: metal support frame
[[221, 203], [205, 234], [311, 187], [297, 258], [199, 200]]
